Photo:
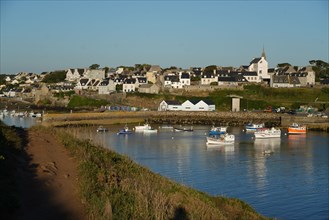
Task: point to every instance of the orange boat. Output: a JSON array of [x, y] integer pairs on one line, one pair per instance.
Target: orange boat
[[296, 129]]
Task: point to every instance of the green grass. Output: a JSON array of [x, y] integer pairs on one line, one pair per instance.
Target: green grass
[[113, 186], [83, 102]]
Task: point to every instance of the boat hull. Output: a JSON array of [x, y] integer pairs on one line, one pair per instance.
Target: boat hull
[[268, 133], [301, 130]]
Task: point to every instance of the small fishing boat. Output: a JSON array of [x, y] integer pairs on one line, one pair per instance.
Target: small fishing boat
[[268, 133], [102, 129], [296, 129], [221, 140], [183, 129], [217, 130], [125, 130], [252, 127], [142, 127]]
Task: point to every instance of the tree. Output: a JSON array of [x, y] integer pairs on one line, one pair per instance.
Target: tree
[[320, 68], [280, 65], [210, 69], [106, 69], [94, 67], [55, 77]]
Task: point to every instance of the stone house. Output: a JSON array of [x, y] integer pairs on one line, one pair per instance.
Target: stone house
[[106, 87], [149, 88]]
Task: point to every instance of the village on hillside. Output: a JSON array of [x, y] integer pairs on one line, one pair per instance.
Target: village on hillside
[[152, 79]]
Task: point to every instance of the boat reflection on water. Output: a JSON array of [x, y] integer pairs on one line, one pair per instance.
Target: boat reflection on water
[[267, 146], [296, 139], [220, 147]]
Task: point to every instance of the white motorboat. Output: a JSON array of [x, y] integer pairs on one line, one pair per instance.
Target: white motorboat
[[142, 127], [268, 133], [222, 139], [252, 127]]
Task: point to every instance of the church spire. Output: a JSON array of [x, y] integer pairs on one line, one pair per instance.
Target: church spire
[[263, 53]]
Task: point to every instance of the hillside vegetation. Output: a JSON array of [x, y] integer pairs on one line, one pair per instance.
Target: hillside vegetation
[[255, 97], [114, 187]]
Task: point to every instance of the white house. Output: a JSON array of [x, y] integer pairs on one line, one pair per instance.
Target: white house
[[170, 105], [173, 81], [208, 78], [74, 74], [129, 85], [185, 78], [188, 105], [82, 83], [260, 66]]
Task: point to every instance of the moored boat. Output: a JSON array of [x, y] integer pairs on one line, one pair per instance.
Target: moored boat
[[252, 127], [183, 129], [142, 127], [217, 130], [268, 133], [102, 129], [125, 130], [221, 140], [296, 129]]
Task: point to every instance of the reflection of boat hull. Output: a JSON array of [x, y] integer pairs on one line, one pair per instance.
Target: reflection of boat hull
[[150, 131], [184, 129]]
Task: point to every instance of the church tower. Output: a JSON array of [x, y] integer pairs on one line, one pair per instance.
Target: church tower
[[263, 53]]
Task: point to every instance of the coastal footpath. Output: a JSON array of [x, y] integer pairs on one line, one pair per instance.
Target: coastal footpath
[[49, 174], [181, 117]]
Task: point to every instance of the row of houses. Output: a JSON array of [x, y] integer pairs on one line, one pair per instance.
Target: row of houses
[[155, 79], [188, 105]]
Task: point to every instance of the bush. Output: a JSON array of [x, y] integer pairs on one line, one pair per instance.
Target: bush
[[80, 101]]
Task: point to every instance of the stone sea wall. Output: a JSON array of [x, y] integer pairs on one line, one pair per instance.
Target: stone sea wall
[[189, 118]]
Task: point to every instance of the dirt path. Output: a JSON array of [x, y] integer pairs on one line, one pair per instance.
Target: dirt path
[[48, 180]]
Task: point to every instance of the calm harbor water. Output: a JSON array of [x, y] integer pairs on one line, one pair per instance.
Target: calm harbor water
[[291, 183]]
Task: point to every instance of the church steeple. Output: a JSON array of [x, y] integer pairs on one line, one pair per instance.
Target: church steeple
[[263, 53]]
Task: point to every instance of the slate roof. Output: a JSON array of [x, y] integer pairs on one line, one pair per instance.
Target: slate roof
[[280, 79], [83, 82], [255, 60], [105, 82], [142, 79], [248, 73], [173, 102], [172, 78], [130, 81], [185, 76]]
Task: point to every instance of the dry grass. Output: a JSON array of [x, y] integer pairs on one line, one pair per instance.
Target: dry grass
[[114, 187]]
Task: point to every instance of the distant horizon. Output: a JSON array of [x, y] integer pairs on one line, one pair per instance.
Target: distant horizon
[[44, 36]]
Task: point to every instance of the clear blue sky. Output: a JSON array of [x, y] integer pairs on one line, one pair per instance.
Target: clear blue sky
[[39, 36]]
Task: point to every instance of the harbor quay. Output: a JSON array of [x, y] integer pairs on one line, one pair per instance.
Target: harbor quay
[[184, 117]]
